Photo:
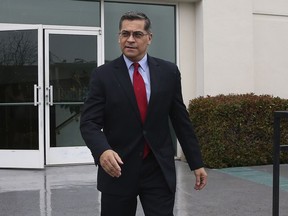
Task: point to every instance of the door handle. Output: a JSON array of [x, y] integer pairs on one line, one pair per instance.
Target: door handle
[[36, 88], [49, 95]]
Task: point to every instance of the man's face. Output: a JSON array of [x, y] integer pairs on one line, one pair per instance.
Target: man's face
[[134, 40]]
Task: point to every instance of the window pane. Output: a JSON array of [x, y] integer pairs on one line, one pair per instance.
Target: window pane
[[18, 65], [72, 59], [18, 74], [163, 29], [51, 12], [18, 127]]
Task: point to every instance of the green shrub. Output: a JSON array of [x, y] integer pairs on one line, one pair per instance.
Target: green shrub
[[237, 130]]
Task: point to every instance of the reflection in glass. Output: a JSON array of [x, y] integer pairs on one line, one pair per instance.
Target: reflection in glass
[[18, 127], [72, 59], [18, 74], [18, 65], [65, 126], [70, 81]]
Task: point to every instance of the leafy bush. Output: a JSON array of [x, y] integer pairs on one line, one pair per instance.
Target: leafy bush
[[237, 130]]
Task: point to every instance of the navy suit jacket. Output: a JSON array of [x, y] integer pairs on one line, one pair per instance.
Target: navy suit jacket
[[111, 120]]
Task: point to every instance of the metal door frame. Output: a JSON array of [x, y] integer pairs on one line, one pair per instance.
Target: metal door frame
[[64, 155], [28, 158]]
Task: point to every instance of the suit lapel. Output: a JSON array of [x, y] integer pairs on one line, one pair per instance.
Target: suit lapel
[[122, 75], [154, 82]]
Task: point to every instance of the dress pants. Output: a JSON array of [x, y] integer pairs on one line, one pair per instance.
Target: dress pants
[[155, 196]]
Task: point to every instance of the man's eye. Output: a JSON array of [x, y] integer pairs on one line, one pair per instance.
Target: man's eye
[[125, 34], [138, 34]]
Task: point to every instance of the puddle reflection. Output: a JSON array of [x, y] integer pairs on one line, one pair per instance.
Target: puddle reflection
[[69, 190]]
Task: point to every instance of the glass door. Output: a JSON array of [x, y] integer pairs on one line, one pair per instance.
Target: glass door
[[71, 53], [21, 96]]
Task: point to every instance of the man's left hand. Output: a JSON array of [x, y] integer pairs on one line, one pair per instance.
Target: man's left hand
[[201, 178]]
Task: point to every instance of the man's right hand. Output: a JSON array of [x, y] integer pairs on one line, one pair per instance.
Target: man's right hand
[[110, 162]]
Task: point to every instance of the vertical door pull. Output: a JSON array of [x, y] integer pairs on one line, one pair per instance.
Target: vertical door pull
[[36, 88], [51, 95]]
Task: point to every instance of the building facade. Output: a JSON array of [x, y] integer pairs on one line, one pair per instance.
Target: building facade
[[49, 48]]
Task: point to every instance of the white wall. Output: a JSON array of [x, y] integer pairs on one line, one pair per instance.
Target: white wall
[[199, 49], [271, 47], [241, 47], [227, 43], [277, 7], [187, 50]]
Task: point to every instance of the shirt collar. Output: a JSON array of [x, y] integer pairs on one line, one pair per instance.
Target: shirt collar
[[143, 62]]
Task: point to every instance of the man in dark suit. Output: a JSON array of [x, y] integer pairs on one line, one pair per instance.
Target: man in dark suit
[[130, 139]]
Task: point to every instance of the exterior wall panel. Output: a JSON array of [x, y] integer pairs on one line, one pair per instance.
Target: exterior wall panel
[[227, 47], [270, 54]]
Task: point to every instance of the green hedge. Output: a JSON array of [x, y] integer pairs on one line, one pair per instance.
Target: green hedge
[[237, 130]]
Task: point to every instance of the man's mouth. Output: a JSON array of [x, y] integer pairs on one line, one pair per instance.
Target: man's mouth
[[130, 47]]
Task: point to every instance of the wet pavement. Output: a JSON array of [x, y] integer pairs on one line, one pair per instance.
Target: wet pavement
[[71, 190]]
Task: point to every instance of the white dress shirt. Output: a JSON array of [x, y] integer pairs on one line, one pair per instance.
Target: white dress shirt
[[143, 70]]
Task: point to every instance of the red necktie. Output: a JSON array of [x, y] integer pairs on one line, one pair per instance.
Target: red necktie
[[141, 97]]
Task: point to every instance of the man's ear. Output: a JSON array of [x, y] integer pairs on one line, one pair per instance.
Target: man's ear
[[150, 39]]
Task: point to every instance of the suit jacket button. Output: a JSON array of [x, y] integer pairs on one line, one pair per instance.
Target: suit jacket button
[[144, 132]]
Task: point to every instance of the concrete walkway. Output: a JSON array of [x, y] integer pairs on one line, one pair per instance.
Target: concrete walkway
[[71, 191]]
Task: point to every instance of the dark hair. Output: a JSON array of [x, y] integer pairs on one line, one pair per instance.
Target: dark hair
[[132, 15]]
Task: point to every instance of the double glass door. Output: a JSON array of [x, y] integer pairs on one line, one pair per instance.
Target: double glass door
[[44, 75]]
